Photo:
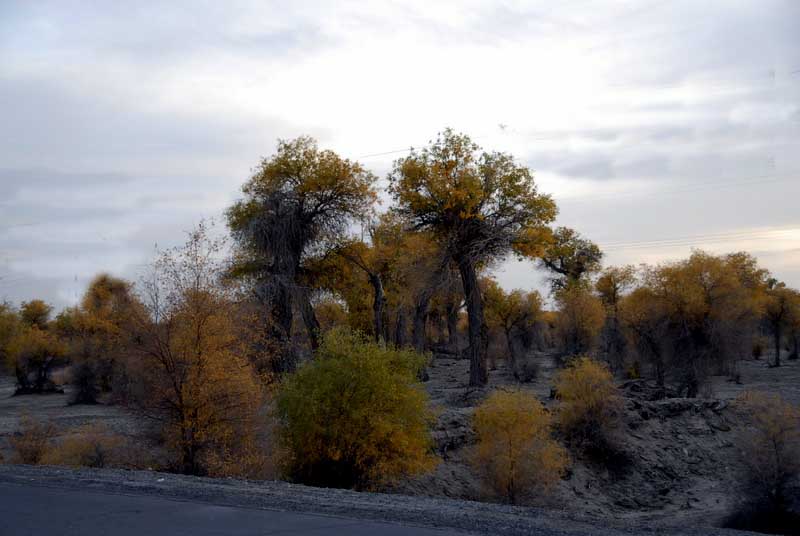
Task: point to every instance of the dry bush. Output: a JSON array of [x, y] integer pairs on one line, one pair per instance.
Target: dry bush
[[31, 440], [770, 462], [515, 453], [590, 405], [355, 416], [188, 370], [90, 445]]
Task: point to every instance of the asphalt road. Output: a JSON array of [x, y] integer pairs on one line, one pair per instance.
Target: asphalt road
[[40, 510]]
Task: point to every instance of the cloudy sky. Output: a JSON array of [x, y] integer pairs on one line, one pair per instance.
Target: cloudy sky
[[659, 126]]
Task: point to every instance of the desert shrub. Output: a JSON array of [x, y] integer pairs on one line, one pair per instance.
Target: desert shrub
[[770, 463], [187, 369], [87, 446], [355, 416], [590, 404], [31, 440], [515, 453]]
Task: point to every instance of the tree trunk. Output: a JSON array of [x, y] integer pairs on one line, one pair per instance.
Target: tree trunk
[[778, 337], [512, 351], [478, 333], [452, 326], [400, 329], [420, 316], [378, 303], [309, 319], [279, 328]]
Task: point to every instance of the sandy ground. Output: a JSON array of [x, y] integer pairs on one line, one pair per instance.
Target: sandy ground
[[681, 460], [54, 408]]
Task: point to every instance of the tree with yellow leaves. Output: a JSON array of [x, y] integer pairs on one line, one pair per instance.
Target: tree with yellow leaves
[[571, 258], [98, 332], [515, 313], [31, 346], [770, 458], [580, 318], [782, 308], [515, 453], [611, 286], [188, 372], [296, 205], [481, 206], [355, 416]]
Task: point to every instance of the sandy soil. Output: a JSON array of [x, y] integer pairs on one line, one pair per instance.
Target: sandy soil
[[679, 471]]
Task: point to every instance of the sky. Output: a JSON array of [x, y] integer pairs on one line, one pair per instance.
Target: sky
[[658, 126]]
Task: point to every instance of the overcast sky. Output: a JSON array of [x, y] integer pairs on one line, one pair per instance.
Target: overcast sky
[[658, 125]]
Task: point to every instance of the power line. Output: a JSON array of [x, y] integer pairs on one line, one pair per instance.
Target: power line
[[583, 198], [700, 240]]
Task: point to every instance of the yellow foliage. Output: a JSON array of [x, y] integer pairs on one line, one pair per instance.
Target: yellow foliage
[[515, 452], [356, 415], [580, 317], [35, 313], [33, 351], [87, 446], [188, 371], [589, 402], [770, 446], [31, 441]]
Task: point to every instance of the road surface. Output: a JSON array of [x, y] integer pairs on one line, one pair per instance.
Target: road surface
[[37, 510]]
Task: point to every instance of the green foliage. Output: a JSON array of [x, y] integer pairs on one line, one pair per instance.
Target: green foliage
[[355, 416]]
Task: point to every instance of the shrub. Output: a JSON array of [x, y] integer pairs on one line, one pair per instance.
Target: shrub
[[186, 369], [590, 404], [355, 416], [515, 452], [31, 441], [770, 462], [87, 446]]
